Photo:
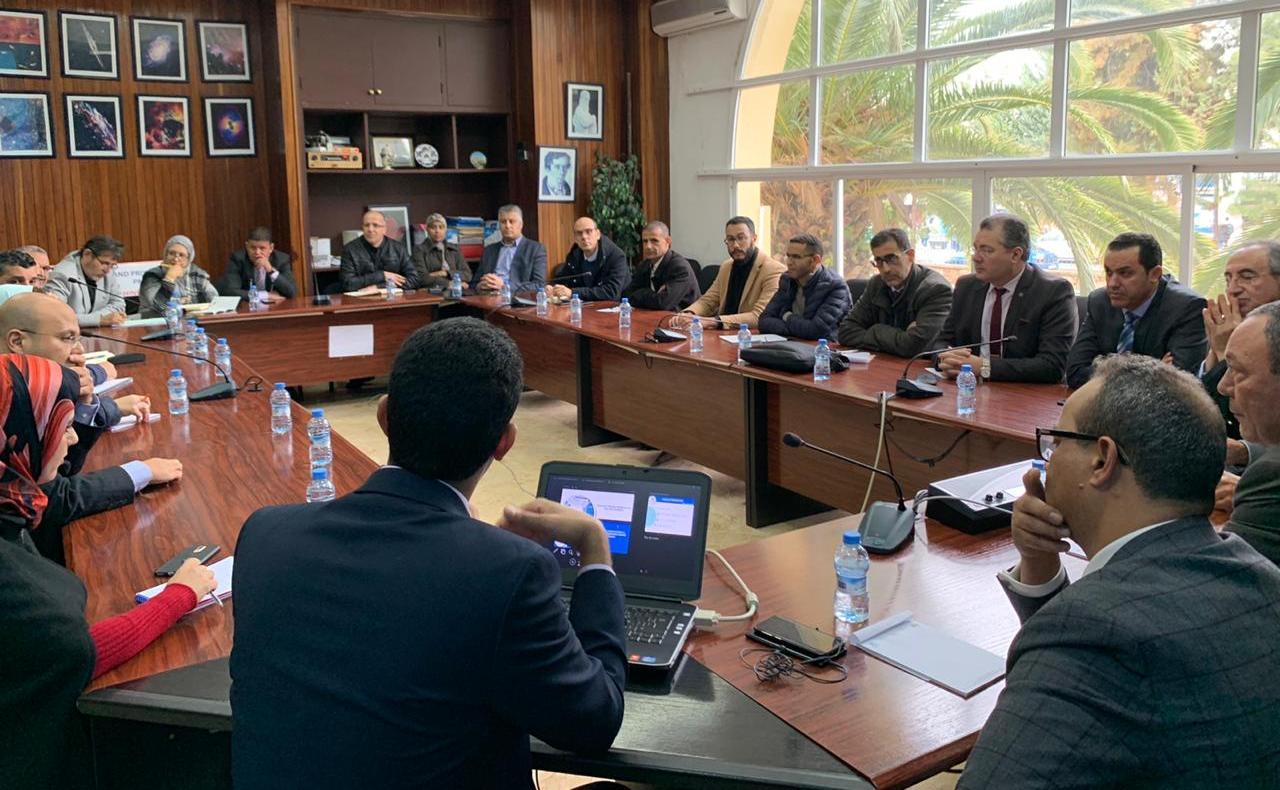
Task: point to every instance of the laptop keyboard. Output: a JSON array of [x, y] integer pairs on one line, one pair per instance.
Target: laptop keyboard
[[648, 626]]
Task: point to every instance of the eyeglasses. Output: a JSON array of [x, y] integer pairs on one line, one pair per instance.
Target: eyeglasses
[[1047, 442], [107, 262], [741, 238], [798, 256], [68, 338], [887, 260]]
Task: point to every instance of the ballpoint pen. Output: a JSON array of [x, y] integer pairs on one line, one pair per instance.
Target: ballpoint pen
[[216, 599]]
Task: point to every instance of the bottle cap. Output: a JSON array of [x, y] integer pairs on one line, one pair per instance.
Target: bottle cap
[[853, 538], [966, 368], [175, 373], [822, 342], [317, 413], [1037, 464], [199, 330], [279, 385], [222, 341], [625, 300]]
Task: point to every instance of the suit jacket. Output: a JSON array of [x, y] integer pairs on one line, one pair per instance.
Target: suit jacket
[[1041, 312], [1255, 511], [362, 265], [528, 266], [668, 284], [826, 300], [611, 277], [1173, 324], [761, 285], [1211, 379], [240, 275], [75, 497], [429, 263], [878, 321], [387, 639], [77, 296], [1157, 670]]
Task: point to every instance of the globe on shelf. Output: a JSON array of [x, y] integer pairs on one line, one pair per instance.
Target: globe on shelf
[[479, 160]]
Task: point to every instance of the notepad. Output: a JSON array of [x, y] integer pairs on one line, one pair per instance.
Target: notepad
[[857, 357], [97, 357], [142, 322], [221, 574], [111, 385], [930, 654], [128, 421], [761, 338], [368, 290]]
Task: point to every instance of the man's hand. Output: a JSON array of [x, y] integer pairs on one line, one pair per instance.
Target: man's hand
[[86, 384], [1167, 358], [398, 280], [137, 405], [1038, 533], [164, 470], [1225, 494], [1237, 453], [543, 521], [273, 297], [558, 292], [491, 282], [113, 318], [1221, 317], [949, 362], [108, 368], [262, 262]]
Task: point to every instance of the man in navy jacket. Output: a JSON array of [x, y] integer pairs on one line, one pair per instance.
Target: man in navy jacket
[[811, 299], [595, 269], [390, 639]]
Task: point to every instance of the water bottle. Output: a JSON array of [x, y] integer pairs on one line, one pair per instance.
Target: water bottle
[[178, 403], [201, 347], [575, 311], [966, 391], [253, 296], [392, 290], [318, 430], [190, 331], [822, 361], [504, 293], [695, 335], [173, 317], [624, 314], [744, 341], [455, 286], [1038, 465], [222, 356], [320, 489], [541, 300], [851, 602], [281, 414]]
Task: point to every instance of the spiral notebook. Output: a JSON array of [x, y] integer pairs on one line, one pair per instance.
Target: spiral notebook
[[221, 574], [930, 654]]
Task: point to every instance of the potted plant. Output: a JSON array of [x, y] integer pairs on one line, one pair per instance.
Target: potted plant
[[616, 205]]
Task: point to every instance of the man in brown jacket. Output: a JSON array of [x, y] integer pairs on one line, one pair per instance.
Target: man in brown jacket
[[744, 284]]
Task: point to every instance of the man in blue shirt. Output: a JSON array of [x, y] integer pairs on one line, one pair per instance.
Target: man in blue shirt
[[520, 262]]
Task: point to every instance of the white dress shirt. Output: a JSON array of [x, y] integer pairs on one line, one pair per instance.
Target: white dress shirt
[[987, 305]]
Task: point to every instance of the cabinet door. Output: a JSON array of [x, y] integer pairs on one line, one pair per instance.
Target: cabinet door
[[478, 66], [407, 68], [333, 53]]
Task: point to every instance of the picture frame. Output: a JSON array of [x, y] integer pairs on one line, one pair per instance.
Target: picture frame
[[229, 126], [159, 49], [24, 44], [557, 174], [26, 130], [164, 126], [398, 227], [95, 127], [224, 51], [90, 45], [400, 150], [584, 111]]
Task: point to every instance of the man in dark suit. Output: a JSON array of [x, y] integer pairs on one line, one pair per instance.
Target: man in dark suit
[[1005, 296], [1156, 668], [375, 259], [1141, 310], [599, 268], [520, 261], [664, 280], [811, 299], [904, 304], [260, 264], [390, 639]]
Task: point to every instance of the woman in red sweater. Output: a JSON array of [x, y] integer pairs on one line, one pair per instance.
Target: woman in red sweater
[[49, 652]]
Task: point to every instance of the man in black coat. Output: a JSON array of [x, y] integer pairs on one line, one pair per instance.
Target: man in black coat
[[903, 306], [260, 264], [374, 259], [595, 268], [664, 280], [811, 299]]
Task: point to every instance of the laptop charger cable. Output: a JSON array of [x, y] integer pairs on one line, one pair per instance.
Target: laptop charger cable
[[710, 618]]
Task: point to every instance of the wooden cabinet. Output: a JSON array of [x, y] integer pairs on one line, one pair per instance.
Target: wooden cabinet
[[477, 66], [334, 60]]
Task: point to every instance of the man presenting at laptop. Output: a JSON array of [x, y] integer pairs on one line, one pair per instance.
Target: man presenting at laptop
[[389, 639]]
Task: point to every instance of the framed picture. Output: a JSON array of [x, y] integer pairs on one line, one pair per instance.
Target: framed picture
[[584, 111], [159, 50], [93, 127], [25, 127], [89, 46], [397, 224], [164, 126], [229, 123], [224, 51], [557, 174], [23, 48], [391, 152]]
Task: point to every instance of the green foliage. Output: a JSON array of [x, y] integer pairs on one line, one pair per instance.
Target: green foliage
[[616, 204]]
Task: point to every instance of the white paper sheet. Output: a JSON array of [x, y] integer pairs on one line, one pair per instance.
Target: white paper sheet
[[930, 654], [128, 421], [351, 341], [857, 357], [136, 321], [221, 575], [111, 385], [765, 338]]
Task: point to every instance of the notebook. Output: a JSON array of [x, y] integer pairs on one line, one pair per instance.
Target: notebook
[[930, 654], [111, 385], [136, 321], [128, 421], [760, 338], [221, 574]]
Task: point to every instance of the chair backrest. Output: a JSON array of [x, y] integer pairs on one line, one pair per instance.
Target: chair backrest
[[1082, 309], [856, 286], [707, 275], [697, 267]]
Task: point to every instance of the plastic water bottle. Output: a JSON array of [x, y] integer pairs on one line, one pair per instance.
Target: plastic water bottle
[[201, 347], [222, 356], [318, 430], [281, 413], [852, 604], [822, 361], [541, 301], [575, 311], [392, 290], [173, 317], [624, 314], [455, 286], [1038, 465], [966, 391], [504, 293], [178, 403], [744, 341], [190, 332], [320, 489], [695, 335], [253, 296]]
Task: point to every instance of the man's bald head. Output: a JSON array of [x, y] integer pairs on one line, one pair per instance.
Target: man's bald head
[[39, 325], [586, 234]]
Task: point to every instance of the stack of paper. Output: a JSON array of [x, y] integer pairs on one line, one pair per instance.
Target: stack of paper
[[111, 385], [128, 421], [857, 357], [221, 575], [930, 654]]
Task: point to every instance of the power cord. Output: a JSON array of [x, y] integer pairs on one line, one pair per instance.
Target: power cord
[[776, 665], [709, 618], [884, 405]]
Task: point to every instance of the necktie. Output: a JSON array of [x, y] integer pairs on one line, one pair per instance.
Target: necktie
[[995, 329], [1126, 333], [260, 276]]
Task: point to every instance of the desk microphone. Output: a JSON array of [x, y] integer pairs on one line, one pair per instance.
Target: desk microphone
[[885, 526], [224, 389], [318, 298], [918, 388], [163, 334]]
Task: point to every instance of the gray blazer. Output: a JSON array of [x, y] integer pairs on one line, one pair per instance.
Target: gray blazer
[[1255, 511], [77, 296], [1157, 670]]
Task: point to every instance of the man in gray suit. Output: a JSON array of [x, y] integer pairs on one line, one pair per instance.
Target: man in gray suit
[[86, 282], [520, 261], [1157, 667]]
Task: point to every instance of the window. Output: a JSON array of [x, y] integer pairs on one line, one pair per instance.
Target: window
[[1267, 122], [858, 29], [1231, 209], [868, 116], [957, 21], [782, 209], [779, 39], [997, 105], [935, 213], [773, 125], [1085, 11]]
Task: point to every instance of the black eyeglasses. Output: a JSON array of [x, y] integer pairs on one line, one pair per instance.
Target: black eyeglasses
[[1047, 442], [887, 260]]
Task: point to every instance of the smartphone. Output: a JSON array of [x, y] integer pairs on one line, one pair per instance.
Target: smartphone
[[794, 639], [200, 551]]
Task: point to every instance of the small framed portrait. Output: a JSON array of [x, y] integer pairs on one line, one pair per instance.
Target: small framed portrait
[[391, 152], [23, 48], [584, 111], [397, 224], [25, 126], [164, 126], [159, 50], [89, 46], [557, 174], [229, 123], [224, 51], [93, 127]]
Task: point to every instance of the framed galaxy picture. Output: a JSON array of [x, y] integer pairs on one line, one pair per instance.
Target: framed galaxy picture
[[229, 123], [93, 127], [23, 49], [224, 51], [89, 46], [164, 126], [25, 126], [159, 50]]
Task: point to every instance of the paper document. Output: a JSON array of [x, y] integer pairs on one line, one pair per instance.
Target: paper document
[[97, 357], [351, 341], [930, 654], [135, 321], [857, 357], [223, 304], [111, 385], [128, 421], [196, 307], [221, 574], [368, 290], [764, 338], [616, 309]]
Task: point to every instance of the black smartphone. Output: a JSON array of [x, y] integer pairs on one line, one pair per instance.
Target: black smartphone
[[200, 551], [794, 639], [127, 359]]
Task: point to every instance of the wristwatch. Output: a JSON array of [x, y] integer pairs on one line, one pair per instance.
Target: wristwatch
[[986, 368]]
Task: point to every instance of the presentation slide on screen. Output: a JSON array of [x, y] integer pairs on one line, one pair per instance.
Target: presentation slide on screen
[[614, 510], [669, 515]]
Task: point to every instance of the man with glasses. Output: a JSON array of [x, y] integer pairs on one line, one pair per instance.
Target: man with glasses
[[1156, 667], [811, 299], [744, 283], [1006, 297], [41, 257], [595, 269], [86, 282], [904, 304]]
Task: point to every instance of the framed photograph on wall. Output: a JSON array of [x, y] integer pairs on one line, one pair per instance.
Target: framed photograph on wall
[[24, 51], [557, 174], [25, 126], [584, 111], [89, 46], [159, 50], [397, 224], [94, 128], [224, 51], [164, 126], [229, 123]]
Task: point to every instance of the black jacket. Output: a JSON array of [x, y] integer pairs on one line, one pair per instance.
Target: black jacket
[[602, 281], [669, 284], [1211, 378], [878, 321], [240, 275], [826, 301], [429, 263], [362, 265], [75, 497]]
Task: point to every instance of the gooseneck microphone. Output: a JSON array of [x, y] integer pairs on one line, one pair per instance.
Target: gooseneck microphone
[[223, 389], [163, 334], [917, 388]]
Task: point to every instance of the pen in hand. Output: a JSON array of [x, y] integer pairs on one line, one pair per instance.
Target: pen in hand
[[214, 595]]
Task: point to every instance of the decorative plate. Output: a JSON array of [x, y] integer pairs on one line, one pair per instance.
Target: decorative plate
[[479, 160], [426, 155]]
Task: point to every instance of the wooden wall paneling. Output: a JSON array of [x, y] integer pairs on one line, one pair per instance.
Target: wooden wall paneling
[[484, 9], [524, 174], [650, 115]]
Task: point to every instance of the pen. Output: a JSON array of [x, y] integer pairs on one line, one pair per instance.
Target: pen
[[216, 599]]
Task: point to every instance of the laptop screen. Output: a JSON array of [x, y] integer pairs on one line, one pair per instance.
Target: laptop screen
[[656, 520]]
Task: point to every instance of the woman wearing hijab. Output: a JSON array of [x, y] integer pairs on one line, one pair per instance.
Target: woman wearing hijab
[[49, 652], [177, 278]]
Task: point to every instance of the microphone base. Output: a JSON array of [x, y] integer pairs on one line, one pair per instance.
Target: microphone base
[[885, 528], [214, 392], [914, 388], [163, 334], [321, 299]]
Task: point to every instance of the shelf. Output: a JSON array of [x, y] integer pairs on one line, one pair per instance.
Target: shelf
[[408, 171]]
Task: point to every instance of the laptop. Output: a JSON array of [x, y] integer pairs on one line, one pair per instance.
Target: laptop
[[657, 525]]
